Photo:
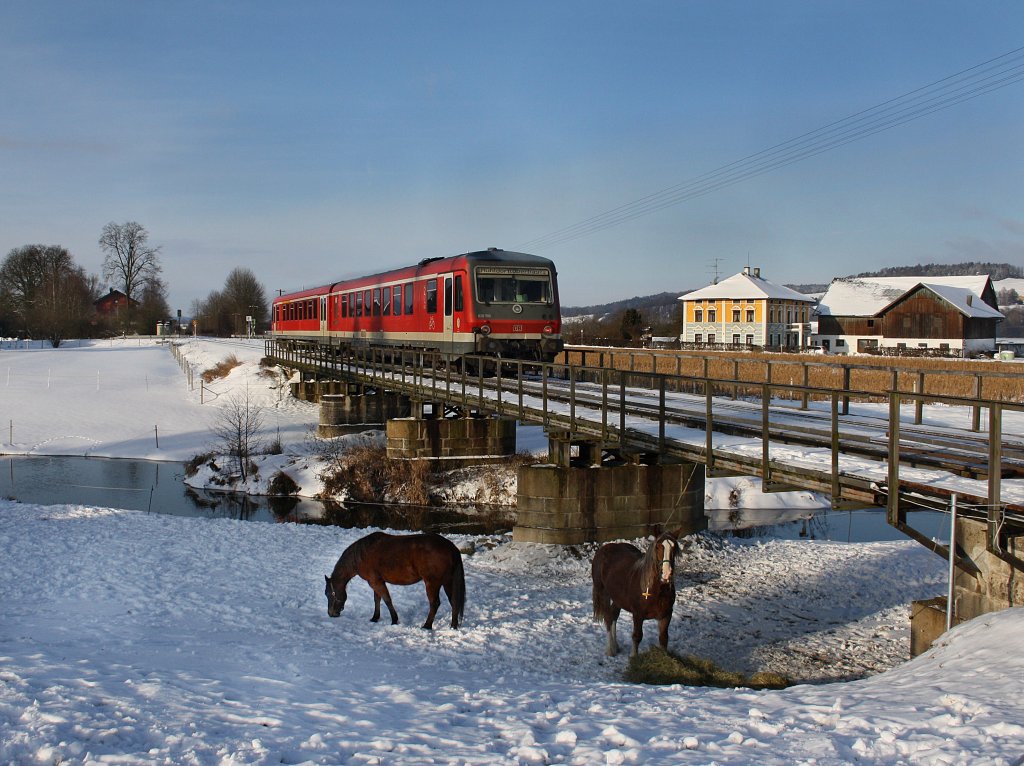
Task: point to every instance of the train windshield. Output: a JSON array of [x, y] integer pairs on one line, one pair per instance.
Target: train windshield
[[511, 284]]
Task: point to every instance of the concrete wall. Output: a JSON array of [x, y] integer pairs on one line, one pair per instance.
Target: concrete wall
[[485, 437], [998, 586], [344, 413], [567, 505]]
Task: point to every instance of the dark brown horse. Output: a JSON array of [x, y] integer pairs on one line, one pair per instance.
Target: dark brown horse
[[641, 583], [381, 558]]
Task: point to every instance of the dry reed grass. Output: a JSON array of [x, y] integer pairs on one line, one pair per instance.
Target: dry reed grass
[[221, 369], [868, 376]]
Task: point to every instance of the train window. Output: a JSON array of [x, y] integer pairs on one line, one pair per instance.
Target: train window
[[458, 292], [397, 290], [367, 305], [513, 285], [431, 296], [447, 296], [408, 298], [385, 309], [376, 301], [359, 304], [314, 305], [344, 307]]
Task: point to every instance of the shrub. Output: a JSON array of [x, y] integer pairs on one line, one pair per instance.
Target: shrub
[[365, 474], [282, 484]]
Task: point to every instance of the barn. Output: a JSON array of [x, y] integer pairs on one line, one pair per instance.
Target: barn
[[955, 316]]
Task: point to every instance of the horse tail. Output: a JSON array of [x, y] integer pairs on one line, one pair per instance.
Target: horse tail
[[458, 596]]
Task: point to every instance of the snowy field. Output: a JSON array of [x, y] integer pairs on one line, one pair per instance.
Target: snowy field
[[134, 638]]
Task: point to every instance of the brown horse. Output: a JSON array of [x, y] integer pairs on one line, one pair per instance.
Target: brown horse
[[641, 583], [381, 558]]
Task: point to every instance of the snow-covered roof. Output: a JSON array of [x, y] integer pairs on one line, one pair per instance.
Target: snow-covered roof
[[868, 296], [744, 286]]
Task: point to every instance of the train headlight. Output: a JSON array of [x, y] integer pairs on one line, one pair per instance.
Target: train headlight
[[548, 329], [485, 329]]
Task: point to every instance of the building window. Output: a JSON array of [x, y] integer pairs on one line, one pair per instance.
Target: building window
[[736, 339], [698, 315], [698, 337], [750, 340], [712, 315], [840, 343], [711, 337], [735, 315], [771, 315], [750, 315]]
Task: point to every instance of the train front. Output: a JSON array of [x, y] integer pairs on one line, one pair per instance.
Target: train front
[[515, 305]]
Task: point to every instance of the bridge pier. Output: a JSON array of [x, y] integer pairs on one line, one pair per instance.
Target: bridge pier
[[577, 498], [997, 584], [358, 409], [480, 438]]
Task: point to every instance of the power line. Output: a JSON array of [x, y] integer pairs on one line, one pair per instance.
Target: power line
[[978, 80]]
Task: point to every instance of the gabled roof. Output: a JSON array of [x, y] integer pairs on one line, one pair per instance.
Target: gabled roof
[[962, 299], [870, 296], [746, 287]]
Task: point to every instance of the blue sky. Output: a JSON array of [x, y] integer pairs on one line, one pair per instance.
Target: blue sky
[[315, 140]]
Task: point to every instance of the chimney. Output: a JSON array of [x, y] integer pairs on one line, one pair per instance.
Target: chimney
[[746, 271], [757, 272], [970, 299]]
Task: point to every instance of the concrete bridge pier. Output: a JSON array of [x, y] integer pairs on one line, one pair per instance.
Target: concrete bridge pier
[[358, 408], [578, 497], [472, 436], [988, 583]]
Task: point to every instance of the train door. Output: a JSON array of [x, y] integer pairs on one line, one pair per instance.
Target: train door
[[323, 315], [449, 326]]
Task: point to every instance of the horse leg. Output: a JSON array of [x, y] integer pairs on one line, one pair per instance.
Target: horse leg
[[380, 591], [434, 600], [638, 634], [663, 631], [448, 594], [611, 621]]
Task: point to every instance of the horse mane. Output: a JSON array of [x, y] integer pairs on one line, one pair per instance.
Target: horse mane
[[648, 566], [353, 555]]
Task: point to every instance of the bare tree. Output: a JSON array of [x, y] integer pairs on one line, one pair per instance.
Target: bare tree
[[130, 260], [51, 296], [237, 425], [245, 295]]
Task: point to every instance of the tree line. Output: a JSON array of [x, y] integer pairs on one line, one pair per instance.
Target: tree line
[[45, 294]]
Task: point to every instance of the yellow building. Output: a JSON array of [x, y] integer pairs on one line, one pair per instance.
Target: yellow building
[[746, 310]]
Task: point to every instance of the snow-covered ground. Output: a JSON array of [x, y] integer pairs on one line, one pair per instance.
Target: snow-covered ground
[[136, 638]]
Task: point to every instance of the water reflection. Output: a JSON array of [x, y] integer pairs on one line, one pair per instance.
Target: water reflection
[[159, 487]]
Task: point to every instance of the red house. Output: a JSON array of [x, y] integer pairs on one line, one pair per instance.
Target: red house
[[113, 302]]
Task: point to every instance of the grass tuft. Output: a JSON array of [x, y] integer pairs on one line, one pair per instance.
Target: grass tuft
[[656, 666]]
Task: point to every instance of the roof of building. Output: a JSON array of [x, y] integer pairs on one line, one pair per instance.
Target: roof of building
[[746, 286], [870, 296]]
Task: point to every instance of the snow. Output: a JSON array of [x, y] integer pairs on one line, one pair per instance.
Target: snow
[[136, 638]]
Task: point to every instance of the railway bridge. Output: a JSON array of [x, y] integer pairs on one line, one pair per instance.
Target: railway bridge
[[658, 434]]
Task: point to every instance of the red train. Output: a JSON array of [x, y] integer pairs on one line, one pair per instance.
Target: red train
[[489, 302]]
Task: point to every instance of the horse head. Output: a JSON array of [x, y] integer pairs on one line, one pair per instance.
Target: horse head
[[666, 548], [335, 597]]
